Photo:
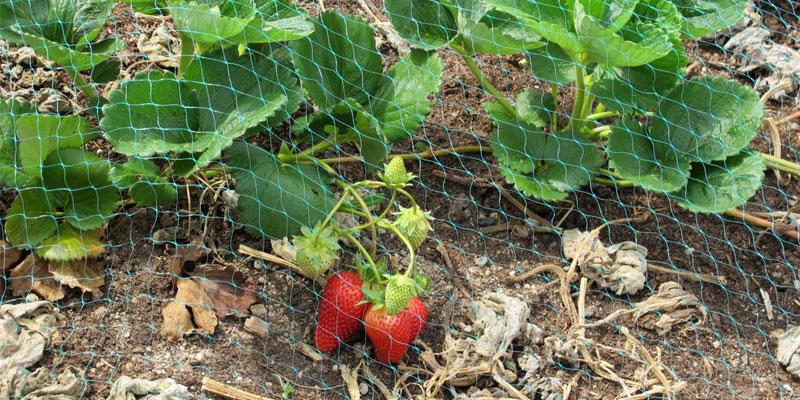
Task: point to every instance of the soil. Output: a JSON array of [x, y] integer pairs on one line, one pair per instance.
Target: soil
[[116, 333]]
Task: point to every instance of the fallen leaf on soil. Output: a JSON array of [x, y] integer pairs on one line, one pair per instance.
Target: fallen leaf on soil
[[126, 388], [184, 254], [188, 313], [8, 256], [621, 267], [670, 306], [160, 48], [86, 275], [24, 333], [788, 350], [17, 383], [32, 274], [756, 49], [228, 290]]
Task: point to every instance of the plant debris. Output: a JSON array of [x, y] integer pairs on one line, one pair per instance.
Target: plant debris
[[620, 268], [788, 349], [51, 279], [126, 388], [669, 306]]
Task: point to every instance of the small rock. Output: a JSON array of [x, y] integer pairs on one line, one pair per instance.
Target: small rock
[[363, 388], [200, 356], [259, 310], [257, 327], [32, 297], [481, 261], [336, 368]]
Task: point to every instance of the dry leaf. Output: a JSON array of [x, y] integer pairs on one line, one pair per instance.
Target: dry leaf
[[788, 349], [8, 256], [228, 290], [188, 313], [86, 275], [283, 249], [620, 268], [670, 306], [187, 253], [32, 274]]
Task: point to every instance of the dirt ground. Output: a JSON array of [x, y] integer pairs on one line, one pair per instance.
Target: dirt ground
[[730, 356]]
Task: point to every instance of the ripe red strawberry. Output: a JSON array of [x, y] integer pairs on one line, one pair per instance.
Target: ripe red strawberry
[[390, 334], [420, 315], [340, 315]]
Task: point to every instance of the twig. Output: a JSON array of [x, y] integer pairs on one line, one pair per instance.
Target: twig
[[449, 263], [310, 352], [767, 304], [690, 275], [787, 119], [220, 389], [251, 252], [547, 267], [474, 181], [794, 234]]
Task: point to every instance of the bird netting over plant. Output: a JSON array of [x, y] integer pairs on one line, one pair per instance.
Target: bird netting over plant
[[456, 199]]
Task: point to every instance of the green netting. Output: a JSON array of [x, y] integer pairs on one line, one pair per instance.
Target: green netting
[[458, 199]]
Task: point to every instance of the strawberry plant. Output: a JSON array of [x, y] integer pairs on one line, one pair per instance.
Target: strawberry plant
[[685, 138], [63, 31], [64, 193]]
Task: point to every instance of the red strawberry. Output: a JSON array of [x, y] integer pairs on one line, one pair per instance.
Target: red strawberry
[[339, 317], [420, 314], [390, 334]]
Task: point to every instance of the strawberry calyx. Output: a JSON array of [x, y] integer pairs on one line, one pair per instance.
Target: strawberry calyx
[[317, 249], [415, 223], [395, 174]]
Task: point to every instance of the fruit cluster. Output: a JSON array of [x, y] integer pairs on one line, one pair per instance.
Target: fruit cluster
[[371, 298]]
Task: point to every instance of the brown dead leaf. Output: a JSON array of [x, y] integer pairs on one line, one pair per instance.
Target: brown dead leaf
[[188, 313], [228, 290], [86, 275], [32, 274], [187, 253], [9, 256]]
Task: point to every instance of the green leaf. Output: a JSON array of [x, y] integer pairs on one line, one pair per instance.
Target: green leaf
[[706, 16], [611, 14], [106, 71], [88, 56], [338, 61], [144, 182], [40, 135], [499, 33], [717, 118], [562, 162], [552, 19], [10, 173], [30, 218], [552, 64], [425, 24], [532, 187], [536, 107], [149, 6], [152, 114], [277, 199], [70, 243], [66, 22], [401, 102], [275, 21], [79, 182], [644, 43], [222, 95], [722, 185], [212, 22], [649, 163]]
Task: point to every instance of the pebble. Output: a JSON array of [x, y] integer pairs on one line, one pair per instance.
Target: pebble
[[481, 261], [363, 388], [200, 356], [31, 297]]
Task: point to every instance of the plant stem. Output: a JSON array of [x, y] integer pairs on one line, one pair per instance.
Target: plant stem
[[335, 208], [554, 92], [600, 108], [611, 174], [612, 183], [467, 57], [780, 164], [410, 197], [576, 119], [374, 220], [187, 51], [370, 218], [81, 84], [600, 132], [412, 263], [412, 156], [600, 115], [360, 247], [760, 222], [319, 147]]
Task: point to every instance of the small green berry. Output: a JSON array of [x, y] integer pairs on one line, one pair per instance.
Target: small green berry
[[415, 223], [395, 174], [317, 250], [399, 292]]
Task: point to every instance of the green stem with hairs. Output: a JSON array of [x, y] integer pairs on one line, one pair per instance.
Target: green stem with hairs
[[412, 263], [187, 52], [380, 217], [409, 196], [601, 114], [81, 84], [360, 247], [370, 218], [612, 183], [554, 92], [467, 57], [576, 118], [780, 164]]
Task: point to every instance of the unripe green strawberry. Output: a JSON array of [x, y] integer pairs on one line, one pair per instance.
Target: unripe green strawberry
[[395, 174], [317, 250], [399, 292], [415, 223]]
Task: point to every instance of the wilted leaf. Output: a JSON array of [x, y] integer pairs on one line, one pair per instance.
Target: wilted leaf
[[86, 275], [229, 291], [670, 306], [187, 253], [188, 313], [9, 256], [32, 275]]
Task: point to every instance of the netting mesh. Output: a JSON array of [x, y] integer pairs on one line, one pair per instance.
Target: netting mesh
[[611, 188]]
